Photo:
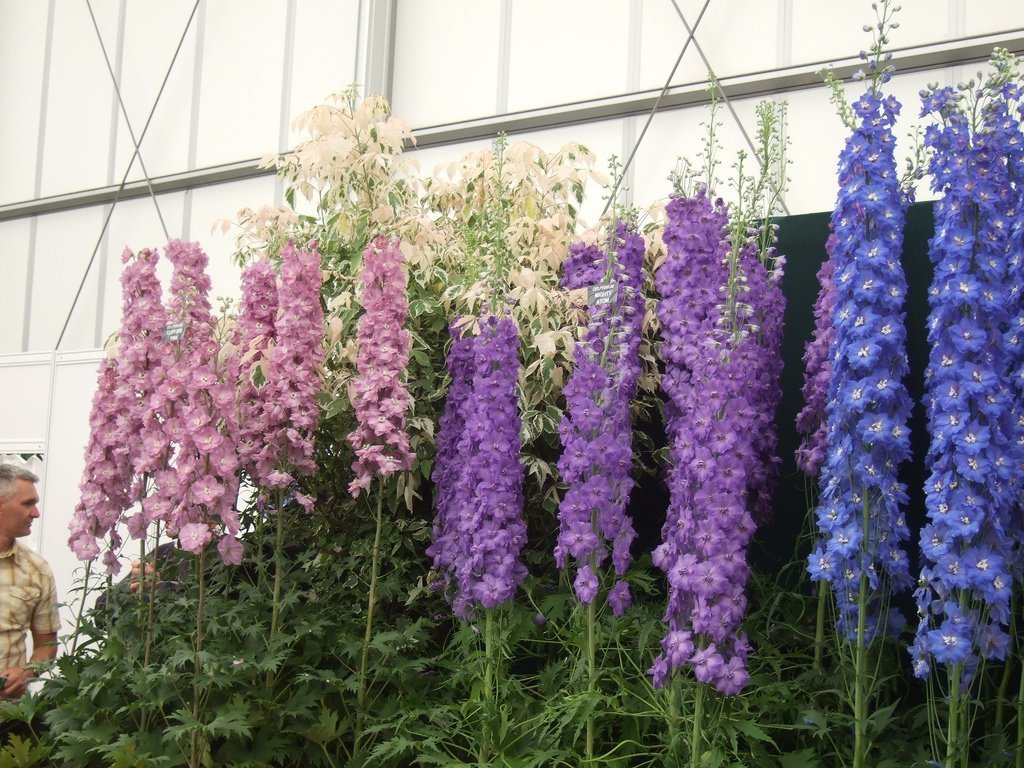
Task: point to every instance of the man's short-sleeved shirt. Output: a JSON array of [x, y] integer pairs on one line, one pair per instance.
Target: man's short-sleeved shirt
[[28, 602]]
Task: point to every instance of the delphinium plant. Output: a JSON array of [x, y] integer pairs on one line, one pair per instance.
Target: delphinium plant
[[970, 545], [282, 413], [480, 531], [200, 422], [380, 400], [119, 471], [860, 517], [720, 313], [597, 430]]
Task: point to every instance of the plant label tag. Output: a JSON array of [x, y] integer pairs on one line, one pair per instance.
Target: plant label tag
[[602, 293], [174, 331]]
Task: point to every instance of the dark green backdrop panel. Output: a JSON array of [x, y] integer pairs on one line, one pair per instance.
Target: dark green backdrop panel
[[802, 241]]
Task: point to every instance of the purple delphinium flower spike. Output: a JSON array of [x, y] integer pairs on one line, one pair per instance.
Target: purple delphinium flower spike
[[482, 527], [811, 421], [597, 430], [717, 377]]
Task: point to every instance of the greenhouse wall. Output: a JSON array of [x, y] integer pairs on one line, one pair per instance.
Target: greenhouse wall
[[209, 88]]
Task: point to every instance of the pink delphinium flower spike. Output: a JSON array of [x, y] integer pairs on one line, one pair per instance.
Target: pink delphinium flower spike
[[379, 395], [116, 466]]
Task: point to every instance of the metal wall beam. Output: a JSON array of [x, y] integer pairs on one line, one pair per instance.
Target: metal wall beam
[[756, 84]]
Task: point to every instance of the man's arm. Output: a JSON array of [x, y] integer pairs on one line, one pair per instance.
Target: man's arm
[[44, 648]]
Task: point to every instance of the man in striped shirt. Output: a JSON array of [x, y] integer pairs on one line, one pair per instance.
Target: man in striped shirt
[[28, 598]]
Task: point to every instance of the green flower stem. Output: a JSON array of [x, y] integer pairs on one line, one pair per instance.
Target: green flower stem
[[696, 742], [488, 708], [819, 626], [591, 672], [673, 707], [151, 594], [1019, 751], [953, 722], [81, 608], [197, 665], [371, 603], [860, 683], [150, 597], [275, 613]]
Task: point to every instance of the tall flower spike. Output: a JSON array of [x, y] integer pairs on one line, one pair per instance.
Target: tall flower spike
[[115, 470], [379, 395], [253, 338], [597, 431], [811, 421], [199, 418], [447, 461], [968, 546], [860, 520], [480, 558], [712, 454], [286, 412]]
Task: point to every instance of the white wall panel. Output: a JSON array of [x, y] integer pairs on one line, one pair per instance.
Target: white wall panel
[[993, 16], [152, 33], [240, 94], [64, 245], [14, 244], [77, 143], [446, 60], [26, 384], [681, 134], [828, 31], [737, 37], [22, 45], [324, 60], [567, 51]]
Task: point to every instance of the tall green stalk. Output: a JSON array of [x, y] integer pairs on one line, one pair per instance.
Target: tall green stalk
[[151, 594], [197, 666], [674, 694], [953, 723], [275, 611], [591, 673], [819, 626], [489, 693], [371, 603], [860, 693], [860, 681], [148, 594], [696, 737], [1019, 751], [81, 607]]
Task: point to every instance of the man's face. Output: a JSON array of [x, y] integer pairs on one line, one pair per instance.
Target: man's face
[[19, 510]]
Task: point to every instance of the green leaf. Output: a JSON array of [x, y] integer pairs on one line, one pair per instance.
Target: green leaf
[[751, 730], [230, 722], [325, 730], [805, 758], [20, 753]]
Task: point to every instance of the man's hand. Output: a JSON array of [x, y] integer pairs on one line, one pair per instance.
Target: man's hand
[[18, 679], [151, 577]]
